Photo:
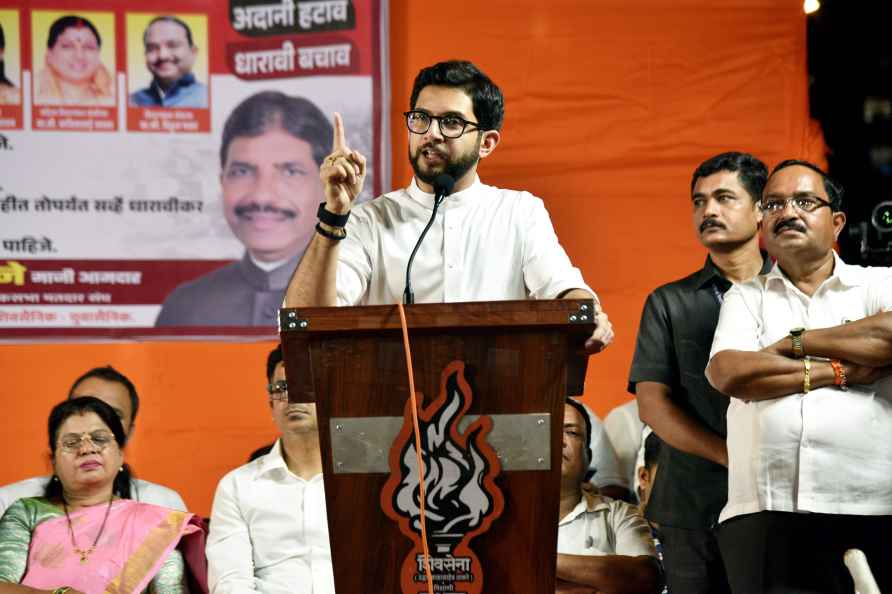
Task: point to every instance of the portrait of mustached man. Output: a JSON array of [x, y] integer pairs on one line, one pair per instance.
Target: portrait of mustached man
[[271, 150]]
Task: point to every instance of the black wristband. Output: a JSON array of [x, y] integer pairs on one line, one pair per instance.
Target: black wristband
[[326, 233], [331, 219]]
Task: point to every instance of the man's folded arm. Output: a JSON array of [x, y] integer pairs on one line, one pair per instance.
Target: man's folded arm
[[611, 574], [865, 342], [739, 368], [756, 375]]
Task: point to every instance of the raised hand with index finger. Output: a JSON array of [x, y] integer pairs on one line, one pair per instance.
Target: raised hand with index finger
[[342, 172]]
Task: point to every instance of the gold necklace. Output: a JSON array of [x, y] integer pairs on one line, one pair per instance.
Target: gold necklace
[[85, 553]]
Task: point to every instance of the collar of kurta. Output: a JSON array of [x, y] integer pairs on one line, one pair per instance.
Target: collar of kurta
[[454, 200], [260, 280]]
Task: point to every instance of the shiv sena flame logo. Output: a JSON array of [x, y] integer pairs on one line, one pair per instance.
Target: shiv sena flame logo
[[462, 499]]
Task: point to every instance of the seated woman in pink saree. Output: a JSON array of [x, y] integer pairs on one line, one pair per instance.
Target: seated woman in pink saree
[[86, 536]]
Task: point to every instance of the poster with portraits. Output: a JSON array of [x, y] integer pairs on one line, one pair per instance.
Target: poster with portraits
[[160, 159]]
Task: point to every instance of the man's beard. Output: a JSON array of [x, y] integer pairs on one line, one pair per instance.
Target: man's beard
[[456, 168]]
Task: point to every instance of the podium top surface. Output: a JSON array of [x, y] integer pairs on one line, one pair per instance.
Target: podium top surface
[[576, 314]]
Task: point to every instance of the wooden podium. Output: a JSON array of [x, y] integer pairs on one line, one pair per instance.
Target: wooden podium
[[520, 360]]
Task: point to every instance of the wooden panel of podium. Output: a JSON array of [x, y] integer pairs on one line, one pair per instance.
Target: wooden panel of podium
[[491, 380]]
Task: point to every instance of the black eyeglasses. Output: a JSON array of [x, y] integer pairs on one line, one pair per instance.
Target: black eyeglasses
[[278, 390], [451, 126], [802, 203]]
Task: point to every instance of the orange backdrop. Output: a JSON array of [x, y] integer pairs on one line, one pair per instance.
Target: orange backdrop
[[610, 106]]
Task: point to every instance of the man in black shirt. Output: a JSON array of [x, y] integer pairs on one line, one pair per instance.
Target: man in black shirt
[[667, 374]]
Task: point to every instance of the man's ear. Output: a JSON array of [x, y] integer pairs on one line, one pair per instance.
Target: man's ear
[[489, 142], [643, 475], [839, 221]]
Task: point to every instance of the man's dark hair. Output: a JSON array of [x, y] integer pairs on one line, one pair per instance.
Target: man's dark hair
[[79, 406], [588, 426], [751, 171], [486, 97], [67, 22], [273, 359], [110, 374], [652, 446], [833, 188], [168, 18], [270, 110]]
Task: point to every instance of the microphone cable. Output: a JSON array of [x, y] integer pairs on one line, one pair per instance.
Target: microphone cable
[[442, 187], [418, 457]]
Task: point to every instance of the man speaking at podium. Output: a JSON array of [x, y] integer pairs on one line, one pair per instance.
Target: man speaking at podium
[[481, 243]]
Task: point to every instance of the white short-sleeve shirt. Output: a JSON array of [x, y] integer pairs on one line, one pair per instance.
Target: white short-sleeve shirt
[[486, 244], [828, 451], [602, 526]]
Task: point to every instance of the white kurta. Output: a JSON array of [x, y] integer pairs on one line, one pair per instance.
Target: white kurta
[[486, 244]]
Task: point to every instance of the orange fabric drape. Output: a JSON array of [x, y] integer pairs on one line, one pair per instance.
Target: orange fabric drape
[[610, 105]]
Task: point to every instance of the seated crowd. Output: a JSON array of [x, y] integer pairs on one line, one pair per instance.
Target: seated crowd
[[100, 526]]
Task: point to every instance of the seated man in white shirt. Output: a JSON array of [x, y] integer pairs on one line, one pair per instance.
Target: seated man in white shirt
[[604, 545], [115, 389], [805, 353], [484, 243], [269, 529]]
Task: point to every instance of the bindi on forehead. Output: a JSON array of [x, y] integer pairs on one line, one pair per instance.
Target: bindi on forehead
[[78, 34]]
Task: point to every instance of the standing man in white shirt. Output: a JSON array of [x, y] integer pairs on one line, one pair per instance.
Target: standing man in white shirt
[[269, 529], [805, 352], [604, 545], [115, 389], [485, 244]]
